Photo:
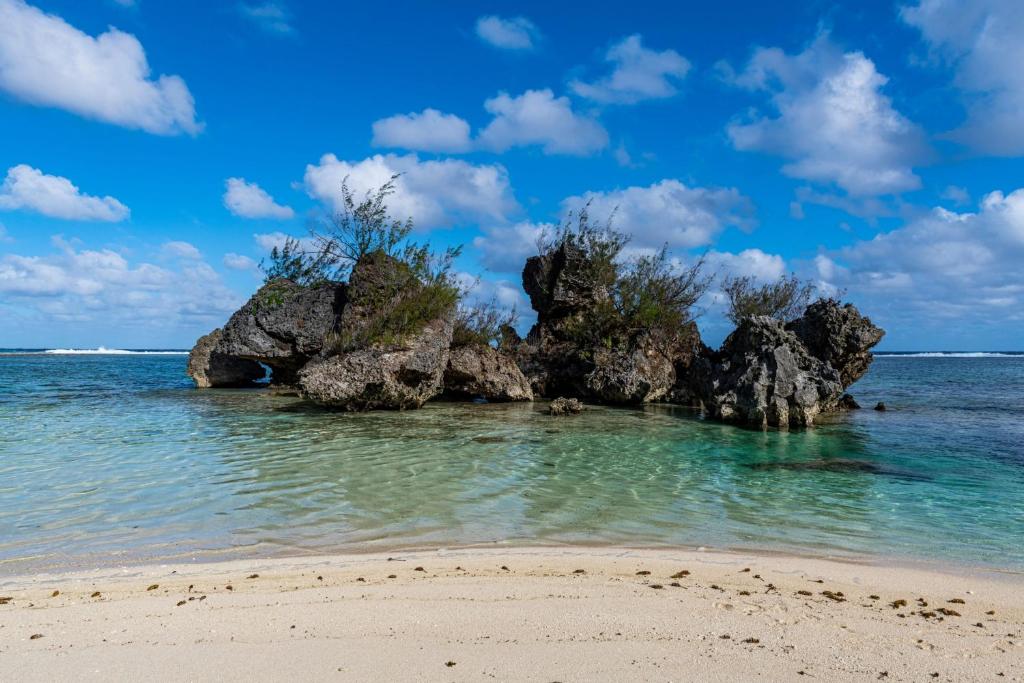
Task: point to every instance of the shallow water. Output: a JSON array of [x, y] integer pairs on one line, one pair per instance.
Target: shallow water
[[109, 459]]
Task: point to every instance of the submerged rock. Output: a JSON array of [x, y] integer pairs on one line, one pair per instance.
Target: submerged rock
[[209, 368], [565, 406], [481, 371], [764, 376], [284, 325], [847, 402], [391, 377], [880, 407]]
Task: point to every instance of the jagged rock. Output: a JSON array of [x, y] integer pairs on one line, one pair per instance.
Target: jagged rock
[[764, 376], [838, 335], [284, 325], [638, 375], [374, 362], [481, 371], [565, 406], [209, 368], [391, 377], [847, 402], [559, 284]]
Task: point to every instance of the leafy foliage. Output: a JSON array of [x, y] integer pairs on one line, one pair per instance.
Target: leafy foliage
[[784, 299], [481, 324], [644, 295], [290, 262]]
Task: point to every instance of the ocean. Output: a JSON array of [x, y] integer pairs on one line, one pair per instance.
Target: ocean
[[112, 457]]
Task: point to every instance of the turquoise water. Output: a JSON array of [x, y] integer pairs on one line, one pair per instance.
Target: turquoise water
[[112, 459]]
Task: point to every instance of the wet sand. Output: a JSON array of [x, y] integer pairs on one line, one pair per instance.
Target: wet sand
[[544, 614]]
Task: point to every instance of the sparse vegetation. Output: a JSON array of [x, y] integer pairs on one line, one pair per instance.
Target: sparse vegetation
[[783, 299], [644, 295], [291, 262], [481, 324]]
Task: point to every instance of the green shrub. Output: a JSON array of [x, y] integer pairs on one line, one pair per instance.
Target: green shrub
[[784, 299], [645, 295], [481, 324]]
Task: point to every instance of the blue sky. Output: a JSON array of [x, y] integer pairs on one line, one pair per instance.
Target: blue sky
[[152, 152]]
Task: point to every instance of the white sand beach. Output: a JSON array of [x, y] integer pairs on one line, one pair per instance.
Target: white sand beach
[[534, 614]]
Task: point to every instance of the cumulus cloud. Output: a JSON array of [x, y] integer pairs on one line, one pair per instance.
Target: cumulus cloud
[[505, 248], [833, 121], [72, 285], [668, 213], [515, 33], [47, 62], [30, 189], [435, 193], [638, 74], [249, 200], [181, 250], [982, 40], [428, 131], [240, 262], [272, 17], [943, 268], [537, 117]]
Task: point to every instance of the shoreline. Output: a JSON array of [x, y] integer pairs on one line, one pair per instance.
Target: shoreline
[[525, 613], [82, 565]]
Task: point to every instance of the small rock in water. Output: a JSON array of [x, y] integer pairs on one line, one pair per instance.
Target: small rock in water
[[847, 402], [565, 406], [880, 407]]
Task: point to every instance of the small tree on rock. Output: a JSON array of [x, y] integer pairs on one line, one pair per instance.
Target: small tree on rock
[[783, 299]]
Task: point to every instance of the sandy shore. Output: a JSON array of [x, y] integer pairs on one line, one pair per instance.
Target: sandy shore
[[527, 614]]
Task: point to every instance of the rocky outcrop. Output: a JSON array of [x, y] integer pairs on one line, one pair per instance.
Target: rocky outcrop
[[388, 377], [565, 406], [379, 359], [209, 368], [763, 375], [556, 358], [838, 335], [284, 325], [476, 371]]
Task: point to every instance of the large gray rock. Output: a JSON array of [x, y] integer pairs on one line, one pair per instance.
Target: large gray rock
[[389, 377], [764, 376], [284, 325], [209, 368], [481, 371], [838, 335], [629, 376]]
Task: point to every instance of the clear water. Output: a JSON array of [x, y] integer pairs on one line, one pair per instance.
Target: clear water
[[110, 459]]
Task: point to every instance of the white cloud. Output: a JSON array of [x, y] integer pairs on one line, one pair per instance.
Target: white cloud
[[505, 248], [982, 40], [47, 62], [668, 213], [249, 200], [638, 74], [537, 117], [516, 33], [943, 268], [272, 17], [834, 123], [956, 194], [78, 285], [240, 262], [181, 250], [753, 263], [30, 189], [429, 131], [434, 193]]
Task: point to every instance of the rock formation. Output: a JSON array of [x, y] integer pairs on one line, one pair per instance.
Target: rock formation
[[209, 368], [838, 335], [396, 376], [477, 371], [283, 325], [565, 406], [764, 376]]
